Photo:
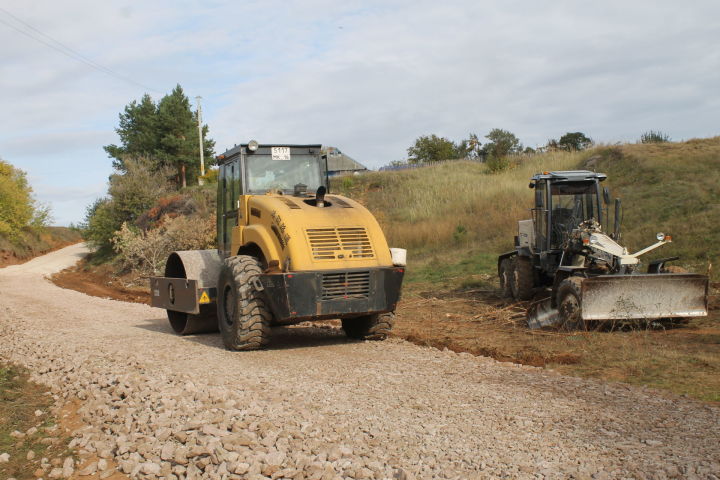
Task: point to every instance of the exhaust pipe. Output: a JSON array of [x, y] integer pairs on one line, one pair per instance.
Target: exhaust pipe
[[618, 214]]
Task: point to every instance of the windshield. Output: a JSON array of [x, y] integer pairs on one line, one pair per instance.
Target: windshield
[[572, 203], [264, 173]]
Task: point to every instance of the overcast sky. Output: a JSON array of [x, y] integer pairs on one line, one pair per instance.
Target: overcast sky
[[367, 77]]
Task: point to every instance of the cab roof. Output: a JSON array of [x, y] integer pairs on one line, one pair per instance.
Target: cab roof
[[264, 149], [570, 176]]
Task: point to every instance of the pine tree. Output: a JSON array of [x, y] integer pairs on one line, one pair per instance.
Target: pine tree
[[137, 132], [165, 132]]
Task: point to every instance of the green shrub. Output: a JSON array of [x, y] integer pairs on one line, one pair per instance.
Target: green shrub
[[100, 224], [654, 137], [460, 234], [211, 175], [17, 205], [347, 182], [137, 190], [131, 194], [497, 164]]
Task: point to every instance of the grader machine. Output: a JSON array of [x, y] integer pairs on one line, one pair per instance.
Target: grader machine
[[591, 276], [287, 252]]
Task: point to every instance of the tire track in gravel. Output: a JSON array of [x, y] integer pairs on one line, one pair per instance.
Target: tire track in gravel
[[315, 405]]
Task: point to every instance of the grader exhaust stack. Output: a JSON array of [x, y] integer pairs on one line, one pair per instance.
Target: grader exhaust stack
[[592, 276]]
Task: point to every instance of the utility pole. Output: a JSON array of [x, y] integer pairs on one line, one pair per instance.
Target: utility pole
[[200, 136]]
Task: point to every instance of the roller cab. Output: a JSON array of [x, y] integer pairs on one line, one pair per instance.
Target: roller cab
[[288, 251]]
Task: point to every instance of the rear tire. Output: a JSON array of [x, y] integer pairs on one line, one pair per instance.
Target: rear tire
[[369, 327], [522, 279], [243, 317], [505, 273], [569, 302]]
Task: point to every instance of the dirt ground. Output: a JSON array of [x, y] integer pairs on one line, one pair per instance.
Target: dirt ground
[[315, 403], [100, 282], [684, 359]]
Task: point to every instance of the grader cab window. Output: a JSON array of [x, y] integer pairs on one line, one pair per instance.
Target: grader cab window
[[572, 204]]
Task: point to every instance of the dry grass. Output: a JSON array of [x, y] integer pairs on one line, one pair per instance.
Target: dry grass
[[455, 210], [674, 188], [19, 399], [453, 203]]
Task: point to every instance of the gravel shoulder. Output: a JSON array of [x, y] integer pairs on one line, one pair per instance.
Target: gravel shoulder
[[316, 405]]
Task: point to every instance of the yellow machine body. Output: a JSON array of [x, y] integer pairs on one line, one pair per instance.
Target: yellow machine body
[[321, 255], [295, 235]]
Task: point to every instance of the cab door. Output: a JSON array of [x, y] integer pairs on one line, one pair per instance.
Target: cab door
[[228, 192], [540, 213]]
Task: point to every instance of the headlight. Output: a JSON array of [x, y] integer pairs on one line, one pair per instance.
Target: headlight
[[252, 145], [593, 239], [660, 236]]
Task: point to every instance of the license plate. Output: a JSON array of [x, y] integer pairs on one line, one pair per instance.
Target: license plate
[[280, 153]]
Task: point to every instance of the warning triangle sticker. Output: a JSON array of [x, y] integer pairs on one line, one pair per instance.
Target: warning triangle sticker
[[204, 298]]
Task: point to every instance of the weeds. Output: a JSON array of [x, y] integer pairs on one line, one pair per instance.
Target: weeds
[[145, 252], [19, 401]]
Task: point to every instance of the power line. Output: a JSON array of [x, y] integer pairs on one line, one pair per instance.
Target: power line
[[65, 50]]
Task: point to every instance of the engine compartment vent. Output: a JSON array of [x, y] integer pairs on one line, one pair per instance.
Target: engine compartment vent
[[338, 243], [289, 202], [344, 285], [340, 202]]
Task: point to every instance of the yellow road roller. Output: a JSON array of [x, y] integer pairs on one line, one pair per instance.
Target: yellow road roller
[[288, 251]]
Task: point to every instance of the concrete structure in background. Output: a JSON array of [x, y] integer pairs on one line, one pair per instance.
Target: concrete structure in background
[[340, 164]]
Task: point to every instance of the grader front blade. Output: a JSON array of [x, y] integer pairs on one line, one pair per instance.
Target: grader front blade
[[644, 296]]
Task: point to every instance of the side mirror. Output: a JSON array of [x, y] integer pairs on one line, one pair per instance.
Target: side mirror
[[532, 185], [606, 195]]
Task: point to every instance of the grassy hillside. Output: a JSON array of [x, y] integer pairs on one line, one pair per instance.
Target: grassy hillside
[[674, 188], [455, 218]]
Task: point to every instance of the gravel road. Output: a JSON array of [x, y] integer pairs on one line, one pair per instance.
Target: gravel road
[[318, 406]]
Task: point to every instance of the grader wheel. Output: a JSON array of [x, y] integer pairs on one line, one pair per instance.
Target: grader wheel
[[522, 279], [505, 273], [569, 302]]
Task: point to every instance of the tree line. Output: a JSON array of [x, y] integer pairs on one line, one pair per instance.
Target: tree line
[[499, 143]]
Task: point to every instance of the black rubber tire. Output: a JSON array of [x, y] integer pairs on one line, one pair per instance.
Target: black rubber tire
[[369, 327], [522, 279], [505, 274], [569, 304], [243, 316]]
